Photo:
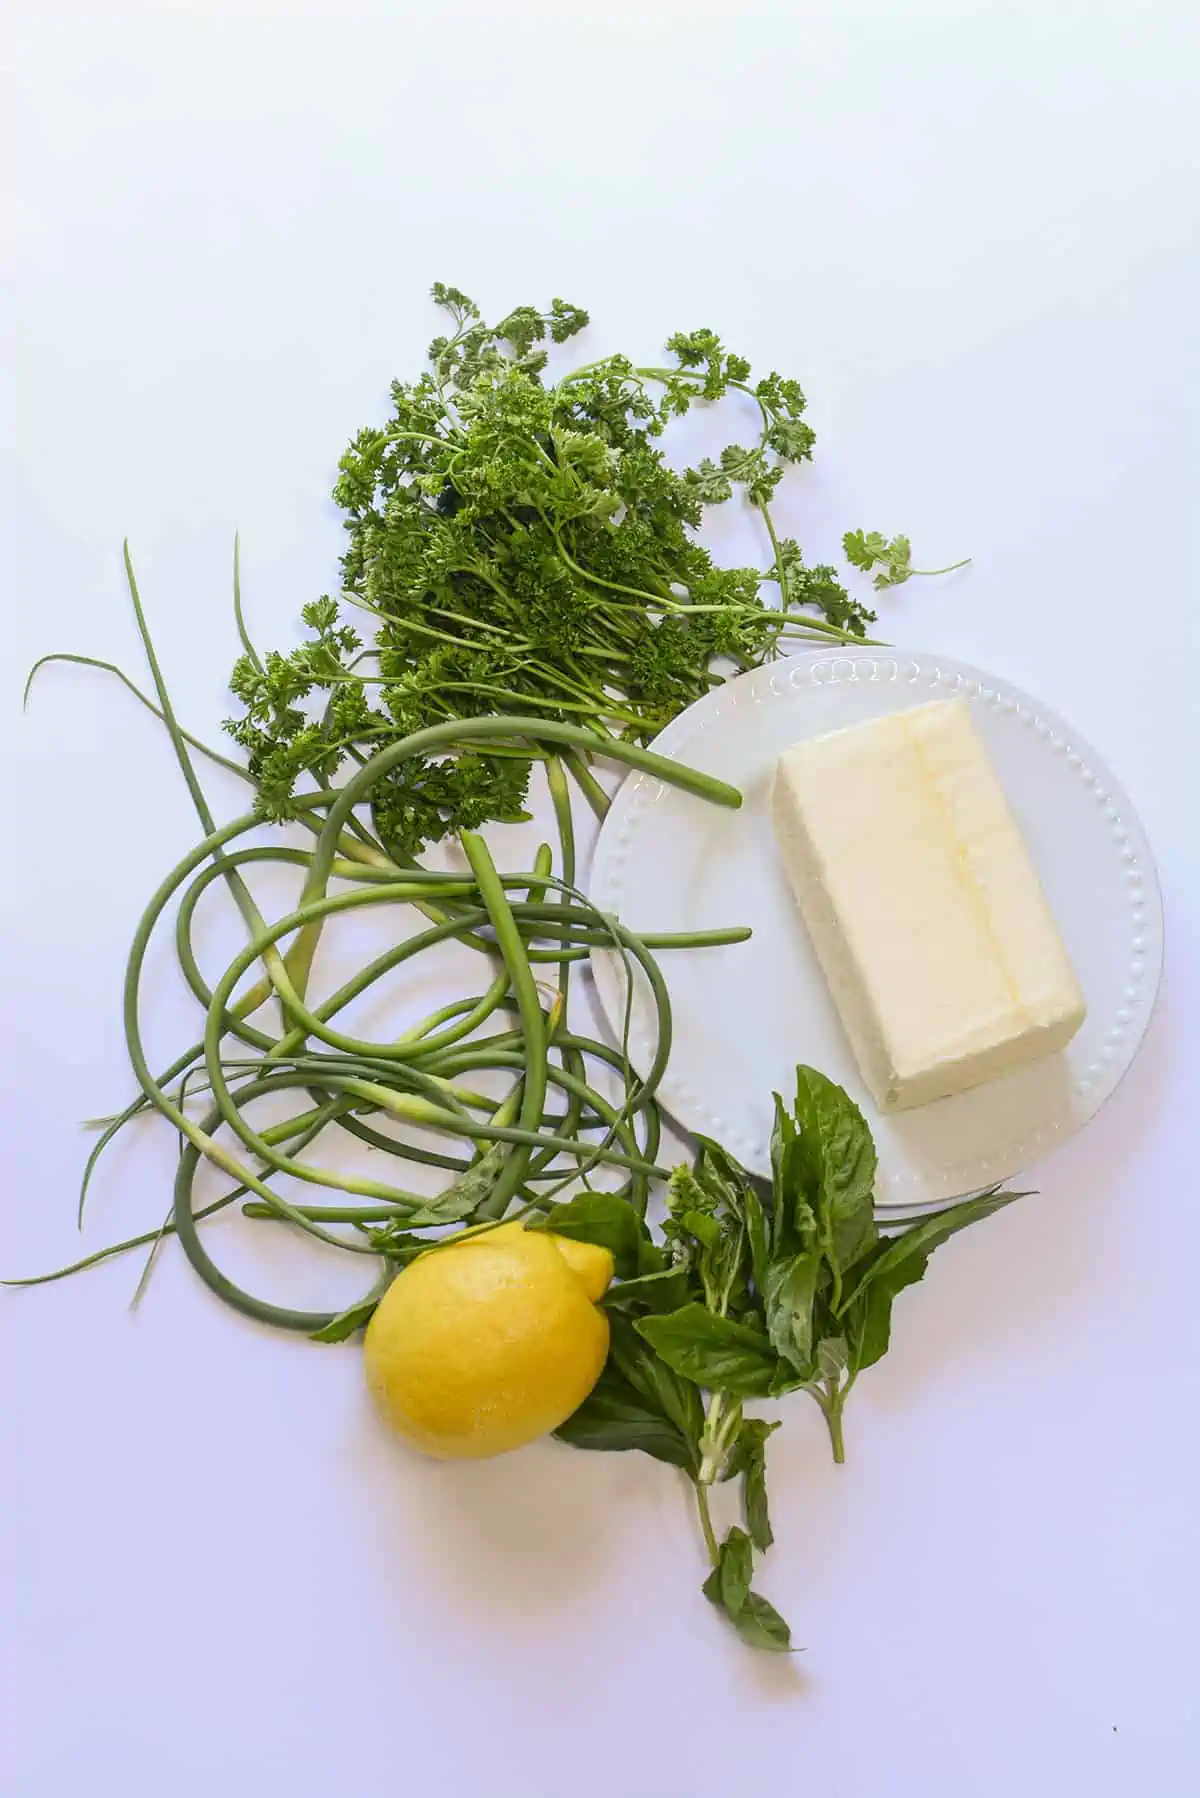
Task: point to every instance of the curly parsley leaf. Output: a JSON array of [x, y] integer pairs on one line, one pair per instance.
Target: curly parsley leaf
[[711, 485], [522, 543], [892, 558]]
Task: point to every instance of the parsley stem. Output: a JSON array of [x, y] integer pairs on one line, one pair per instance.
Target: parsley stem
[[597, 580], [777, 553], [600, 705], [811, 626], [238, 618]]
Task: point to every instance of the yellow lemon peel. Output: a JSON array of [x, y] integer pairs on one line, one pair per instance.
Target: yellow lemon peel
[[484, 1345]]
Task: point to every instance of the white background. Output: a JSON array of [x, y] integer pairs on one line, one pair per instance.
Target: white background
[[971, 230]]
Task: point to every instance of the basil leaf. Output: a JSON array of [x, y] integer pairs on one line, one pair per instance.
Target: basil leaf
[[658, 1385], [614, 1417], [788, 1297], [703, 1226], [759, 1624], [918, 1242], [836, 1164], [722, 1176], [354, 1317], [712, 1209], [604, 1219], [749, 1459], [754, 1501], [869, 1319], [652, 1259], [828, 1331], [466, 1193], [665, 1290], [397, 1242], [712, 1351], [898, 1262], [756, 1236], [784, 1176], [728, 1587], [833, 1358]]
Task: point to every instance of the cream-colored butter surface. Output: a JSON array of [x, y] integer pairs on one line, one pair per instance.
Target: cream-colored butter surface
[[925, 910]]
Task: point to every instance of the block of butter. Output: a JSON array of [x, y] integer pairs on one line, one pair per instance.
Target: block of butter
[[925, 910]]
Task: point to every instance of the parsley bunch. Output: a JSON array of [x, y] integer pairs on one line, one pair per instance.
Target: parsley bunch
[[520, 544]]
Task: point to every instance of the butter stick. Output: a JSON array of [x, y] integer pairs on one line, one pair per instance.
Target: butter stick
[[923, 905]]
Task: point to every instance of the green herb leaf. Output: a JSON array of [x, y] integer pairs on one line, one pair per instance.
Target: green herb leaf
[[464, 1194], [728, 1587], [898, 564], [868, 1319], [757, 1239], [639, 1403], [664, 1290], [833, 1357], [870, 549], [759, 1625], [526, 546], [863, 549], [710, 484], [601, 1218], [721, 1175], [898, 1262], [615, 1417], [835, 1163], [866, 549], [566, 320], [713, 1352], [789, 1296], [659, 1385], [706, 1225], [748, 1458], [792, 1218], [705, 1228], [348, 1322]]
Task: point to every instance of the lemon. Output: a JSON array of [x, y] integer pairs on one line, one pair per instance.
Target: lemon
[[482, 1346]]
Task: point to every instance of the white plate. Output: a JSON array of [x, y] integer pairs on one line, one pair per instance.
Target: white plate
[[746, 1014]]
